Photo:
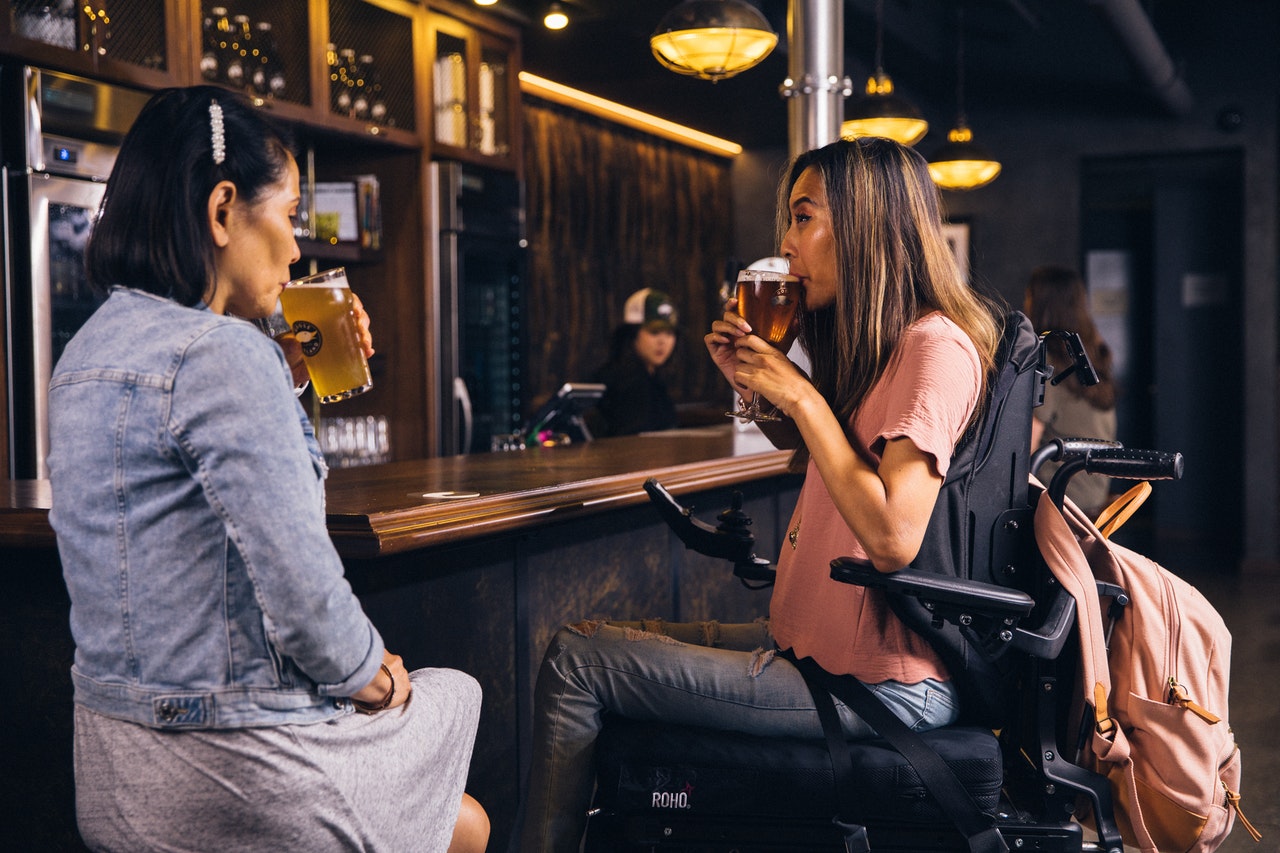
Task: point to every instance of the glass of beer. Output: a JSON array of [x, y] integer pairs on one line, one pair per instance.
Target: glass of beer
[[769, 300], [319, 310]]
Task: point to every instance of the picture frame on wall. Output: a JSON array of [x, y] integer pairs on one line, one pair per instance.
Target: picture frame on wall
[[957, 236]]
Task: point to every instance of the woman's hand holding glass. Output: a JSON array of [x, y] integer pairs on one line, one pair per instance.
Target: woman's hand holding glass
[[769, 299], [751, 364]]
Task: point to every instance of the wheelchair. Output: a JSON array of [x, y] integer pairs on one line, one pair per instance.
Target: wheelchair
[[999, 620]]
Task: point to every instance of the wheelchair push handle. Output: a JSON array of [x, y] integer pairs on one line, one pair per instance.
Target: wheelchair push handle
[[1066, 448], [1129, 464], [1120, 462]]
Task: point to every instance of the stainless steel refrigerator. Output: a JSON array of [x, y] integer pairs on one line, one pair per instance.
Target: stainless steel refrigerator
[[58, 140], [478, 310]]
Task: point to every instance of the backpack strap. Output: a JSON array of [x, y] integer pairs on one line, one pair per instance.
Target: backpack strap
[[952, 797], [1062, 553], [1121, 509]]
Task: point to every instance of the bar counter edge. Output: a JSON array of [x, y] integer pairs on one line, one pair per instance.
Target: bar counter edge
[[470, 563]]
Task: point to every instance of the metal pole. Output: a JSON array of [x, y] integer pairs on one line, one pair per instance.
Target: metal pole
[[815, 86]]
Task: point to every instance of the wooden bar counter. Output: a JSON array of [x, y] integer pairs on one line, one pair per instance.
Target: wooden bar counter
[[465, 562]]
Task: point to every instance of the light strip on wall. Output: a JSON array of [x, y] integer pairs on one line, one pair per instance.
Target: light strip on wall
[[540, 87]]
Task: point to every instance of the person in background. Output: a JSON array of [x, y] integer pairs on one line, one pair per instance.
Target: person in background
[[900, 350], [1056, 300], [635, 398], [230, 692]]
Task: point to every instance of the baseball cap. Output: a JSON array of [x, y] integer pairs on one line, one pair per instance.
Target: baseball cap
[[650, 307]]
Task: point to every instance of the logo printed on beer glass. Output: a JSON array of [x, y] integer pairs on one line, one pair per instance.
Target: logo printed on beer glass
[[309, 337]]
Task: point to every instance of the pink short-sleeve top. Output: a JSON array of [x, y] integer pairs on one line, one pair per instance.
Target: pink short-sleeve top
[[927, 394]]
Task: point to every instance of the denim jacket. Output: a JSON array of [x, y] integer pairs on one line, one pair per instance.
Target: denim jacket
[[188, 503]]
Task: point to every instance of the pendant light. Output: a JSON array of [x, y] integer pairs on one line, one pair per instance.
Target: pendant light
[[880, 112], [556, 18], [712, 39], [962, 164]]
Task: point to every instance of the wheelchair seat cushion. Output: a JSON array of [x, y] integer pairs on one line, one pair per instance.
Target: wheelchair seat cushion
[[659, 768]]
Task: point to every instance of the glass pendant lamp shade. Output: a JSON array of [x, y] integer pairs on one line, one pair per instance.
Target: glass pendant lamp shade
[[556, 18], [882, 113], [712, 39], [962, 164]]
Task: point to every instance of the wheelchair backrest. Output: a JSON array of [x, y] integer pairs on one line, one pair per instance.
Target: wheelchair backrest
[[981, 528]]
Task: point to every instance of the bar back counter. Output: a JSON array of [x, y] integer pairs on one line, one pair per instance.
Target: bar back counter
[[469, 562]]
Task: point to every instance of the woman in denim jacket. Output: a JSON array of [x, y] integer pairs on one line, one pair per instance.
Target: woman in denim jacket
[[220, 653]]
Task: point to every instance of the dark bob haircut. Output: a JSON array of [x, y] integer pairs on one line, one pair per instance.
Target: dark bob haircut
[[153, 232]]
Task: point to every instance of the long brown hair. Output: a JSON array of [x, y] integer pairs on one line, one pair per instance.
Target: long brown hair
[[1058, 301], [894, 266]]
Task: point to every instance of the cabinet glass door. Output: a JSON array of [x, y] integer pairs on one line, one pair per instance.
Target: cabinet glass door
[[450, 90], [370, 59], [100, 35], [493, 98], [260, 49]]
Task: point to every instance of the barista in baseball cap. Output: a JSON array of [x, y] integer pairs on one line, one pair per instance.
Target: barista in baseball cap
[[635, 398], [650, 308]]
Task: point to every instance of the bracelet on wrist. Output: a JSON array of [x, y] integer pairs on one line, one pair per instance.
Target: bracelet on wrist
[[375, 707]]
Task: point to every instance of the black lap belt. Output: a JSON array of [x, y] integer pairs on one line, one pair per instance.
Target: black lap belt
[[938, 778]]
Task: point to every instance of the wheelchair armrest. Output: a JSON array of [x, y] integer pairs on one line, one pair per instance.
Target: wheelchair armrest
[[1047, 641], [986, 613], [976, 596], [968, 603]]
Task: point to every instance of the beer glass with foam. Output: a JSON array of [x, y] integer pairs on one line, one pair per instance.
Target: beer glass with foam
[[319, 310], [769, 298]]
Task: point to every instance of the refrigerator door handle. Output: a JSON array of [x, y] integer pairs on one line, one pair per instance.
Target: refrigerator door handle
[[463, 400]]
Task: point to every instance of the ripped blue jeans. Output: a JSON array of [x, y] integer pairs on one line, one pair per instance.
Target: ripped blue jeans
[[702, 674]]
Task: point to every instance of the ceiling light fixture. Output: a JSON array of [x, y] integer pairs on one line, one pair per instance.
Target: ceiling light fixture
[[962, 164], [485, 2], [556, 18], [712, 39], [880, 112]]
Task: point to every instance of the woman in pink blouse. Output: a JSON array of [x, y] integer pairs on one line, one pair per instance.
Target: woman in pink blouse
[[900, 349]]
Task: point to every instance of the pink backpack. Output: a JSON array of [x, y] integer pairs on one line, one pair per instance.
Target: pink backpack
[[1159, 696]]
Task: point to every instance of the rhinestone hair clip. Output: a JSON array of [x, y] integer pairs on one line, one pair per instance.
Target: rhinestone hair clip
[[217, 133]]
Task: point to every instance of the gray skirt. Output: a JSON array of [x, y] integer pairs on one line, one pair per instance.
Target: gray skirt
[[391, 781]]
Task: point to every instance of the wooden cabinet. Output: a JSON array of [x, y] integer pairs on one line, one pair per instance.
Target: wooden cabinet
[[263, 50], [354, 80], [437, 75], [138, 42], [371, 69], [475, 91], [348, 65], [392, 282]]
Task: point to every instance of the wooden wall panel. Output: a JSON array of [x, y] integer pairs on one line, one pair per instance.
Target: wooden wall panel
[[612, 210]]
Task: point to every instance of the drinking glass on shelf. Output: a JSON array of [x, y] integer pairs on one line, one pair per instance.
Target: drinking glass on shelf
[[769, 299]]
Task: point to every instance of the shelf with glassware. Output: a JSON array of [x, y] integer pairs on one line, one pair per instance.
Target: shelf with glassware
[[369, 50], [386, 264], [292, 58], [475, 96], [339, 217], [126, 41], [316, 63], [249, 48]]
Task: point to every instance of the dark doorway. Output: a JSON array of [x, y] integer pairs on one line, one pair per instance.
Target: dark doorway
[[1162, 250]]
